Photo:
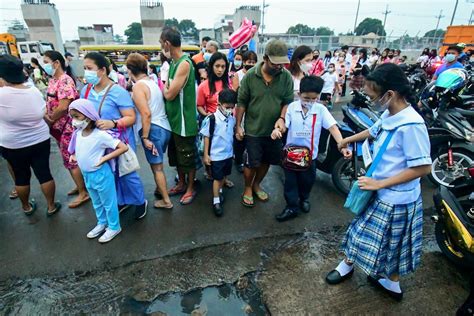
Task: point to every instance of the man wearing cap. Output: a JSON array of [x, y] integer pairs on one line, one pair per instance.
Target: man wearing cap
[[264, 95]]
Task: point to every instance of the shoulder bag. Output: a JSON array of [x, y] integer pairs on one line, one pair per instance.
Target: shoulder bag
[[299, 158]]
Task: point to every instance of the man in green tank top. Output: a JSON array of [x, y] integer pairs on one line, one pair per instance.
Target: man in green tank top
[[180, 104]]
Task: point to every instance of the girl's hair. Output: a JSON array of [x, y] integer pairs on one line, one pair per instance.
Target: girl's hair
[[391, 77], [153, 69], [330, 54], [197, 67], [137, 64], [241, 55], [363, 55], [56, 56], [99, 60], [299, 53], [354, 51], [35, 61], [249, 55], [211, 76], [114, 65], [332, 64]]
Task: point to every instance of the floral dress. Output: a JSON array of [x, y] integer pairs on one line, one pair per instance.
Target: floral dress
[[61, 130]]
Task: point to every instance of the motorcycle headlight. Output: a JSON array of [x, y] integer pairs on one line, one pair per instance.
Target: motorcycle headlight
[[469, 134], [454, 130]]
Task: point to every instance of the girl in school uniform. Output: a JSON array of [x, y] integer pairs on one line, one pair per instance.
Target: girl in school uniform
[[384, 241]]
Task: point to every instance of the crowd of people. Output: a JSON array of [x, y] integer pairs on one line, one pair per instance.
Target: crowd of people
[[214, 111]]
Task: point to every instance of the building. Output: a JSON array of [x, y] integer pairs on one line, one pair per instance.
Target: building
[[224, 28], [98, 34], [20, 32], [153, 20], [206, 32], [86, 35], [43, 22], [72, 47]]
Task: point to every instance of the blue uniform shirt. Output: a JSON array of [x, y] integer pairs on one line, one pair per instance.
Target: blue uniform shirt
[[223, 138], [409, 147]]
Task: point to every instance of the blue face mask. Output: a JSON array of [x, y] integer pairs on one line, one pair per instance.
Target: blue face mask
[[237, 63], [450, 58], [48, 68], [207, 57], [91, 77]]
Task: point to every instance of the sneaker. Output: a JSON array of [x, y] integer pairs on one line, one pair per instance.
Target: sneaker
[[96, 231], [140, 210], [123, 207], [109, 235]]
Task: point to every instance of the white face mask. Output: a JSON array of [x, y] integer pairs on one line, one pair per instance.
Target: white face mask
[[378, 106], [331, 70], [306, 67], [227, 112], [78, 124], [307, 104]]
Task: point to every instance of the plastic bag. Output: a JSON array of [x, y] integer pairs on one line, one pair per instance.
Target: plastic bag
[[244, 34]]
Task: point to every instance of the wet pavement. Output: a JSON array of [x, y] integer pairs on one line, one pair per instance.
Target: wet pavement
[[187, 254]]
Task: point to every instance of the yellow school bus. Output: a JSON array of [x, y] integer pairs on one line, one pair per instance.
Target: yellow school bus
[[119, 53]]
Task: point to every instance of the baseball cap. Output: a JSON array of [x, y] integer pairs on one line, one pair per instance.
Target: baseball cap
[[11, 69], [277, 52]]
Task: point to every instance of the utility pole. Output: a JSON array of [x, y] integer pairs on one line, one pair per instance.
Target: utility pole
[[439, 17], [385, 18], [263, 15], [357, 16], [454, 12], [471, 20]]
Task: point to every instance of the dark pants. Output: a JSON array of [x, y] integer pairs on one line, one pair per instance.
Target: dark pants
[[343, 88], [239, 148], [298, 185]]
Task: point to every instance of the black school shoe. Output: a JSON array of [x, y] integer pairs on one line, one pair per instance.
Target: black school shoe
[[140, 210], [375, 281], [218, 209], [305, 206], [286, 215], [334, 277]]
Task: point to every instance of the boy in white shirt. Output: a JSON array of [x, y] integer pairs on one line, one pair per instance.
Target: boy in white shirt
[[330, 87], [218, 132], [304, 120]]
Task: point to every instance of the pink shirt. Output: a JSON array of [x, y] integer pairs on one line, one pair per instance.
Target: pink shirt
[[21, 118]]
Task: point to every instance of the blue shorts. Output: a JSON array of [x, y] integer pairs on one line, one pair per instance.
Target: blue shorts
[[221, 169], [160, 137]]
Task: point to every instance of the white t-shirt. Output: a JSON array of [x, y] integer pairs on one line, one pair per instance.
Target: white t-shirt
[[329, 82], [156, 104], [299, 125], [21, 118], [296, 87], [91, 148], [164, 70], [240, 74]]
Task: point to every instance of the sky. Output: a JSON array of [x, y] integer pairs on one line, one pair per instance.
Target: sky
[[411, 17]]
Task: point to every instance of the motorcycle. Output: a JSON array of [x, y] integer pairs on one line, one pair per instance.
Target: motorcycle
[[454, 224], [357, 117]]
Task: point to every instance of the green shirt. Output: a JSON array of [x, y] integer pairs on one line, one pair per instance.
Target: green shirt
[[182, 110], [263, 102]]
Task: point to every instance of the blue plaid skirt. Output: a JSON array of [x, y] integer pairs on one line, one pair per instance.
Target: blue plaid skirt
[[386, 239]]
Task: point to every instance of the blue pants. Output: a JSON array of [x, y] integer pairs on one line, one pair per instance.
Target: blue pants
[[101, 187], [298, 185]]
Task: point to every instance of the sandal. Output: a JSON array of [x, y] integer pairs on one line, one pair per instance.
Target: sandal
[[262, 195], [176, 190], [73, 192], [32, 203], [228, 184], [78, 203], [188, 198], [13, 194], [57, 207], [248, 201], [160, 204]]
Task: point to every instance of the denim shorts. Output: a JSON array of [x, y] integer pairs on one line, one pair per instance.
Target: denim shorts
[[160, 137]]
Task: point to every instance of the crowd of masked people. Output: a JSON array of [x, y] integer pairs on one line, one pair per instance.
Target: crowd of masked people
[[217, 112]]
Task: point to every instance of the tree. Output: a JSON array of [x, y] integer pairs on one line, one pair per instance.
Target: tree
[[369, 25], [435, 33], [323, 31], [118, 39], [188, 28], [301, 29], [134, 33], [172, 23]]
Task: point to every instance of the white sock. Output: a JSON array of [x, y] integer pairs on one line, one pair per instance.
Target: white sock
[[391, 285], [216, 200], [343, 268]]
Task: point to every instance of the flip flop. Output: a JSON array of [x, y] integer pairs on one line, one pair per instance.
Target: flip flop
[[33, 208], [160, 204], [247, 201], [188, 198], [176, 190], [262, 196], [76, 204], [73, 192], [13, 194], [57, 207], [157, 194], [228, 184]]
